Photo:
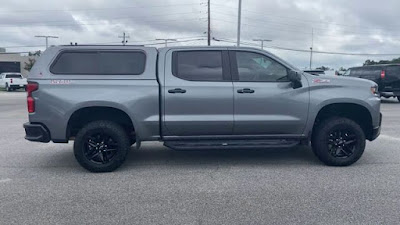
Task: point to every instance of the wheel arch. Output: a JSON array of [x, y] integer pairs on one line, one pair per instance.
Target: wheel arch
[[358, 112], [99, 110]]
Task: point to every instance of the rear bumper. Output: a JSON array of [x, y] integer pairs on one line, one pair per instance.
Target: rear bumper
[[16, 86], [36, 132], [377, 130]]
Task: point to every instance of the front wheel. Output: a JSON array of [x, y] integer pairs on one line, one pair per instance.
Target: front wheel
[[338, 141], [101, 146]]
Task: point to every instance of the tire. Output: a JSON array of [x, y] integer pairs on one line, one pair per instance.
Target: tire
[[398, 98], [8, 89], [338, 141], [101, 146]]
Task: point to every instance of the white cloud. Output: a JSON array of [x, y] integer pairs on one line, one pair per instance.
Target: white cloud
[[340, 26]]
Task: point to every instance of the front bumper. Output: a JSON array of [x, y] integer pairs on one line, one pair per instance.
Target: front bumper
[[377, 130], [36, 132]]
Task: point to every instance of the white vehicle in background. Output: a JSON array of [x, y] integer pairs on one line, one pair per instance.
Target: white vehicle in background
[[12, 81]]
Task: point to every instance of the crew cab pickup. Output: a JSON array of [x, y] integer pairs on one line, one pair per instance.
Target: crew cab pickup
[[107, 98], [12, 81], [387, 76]]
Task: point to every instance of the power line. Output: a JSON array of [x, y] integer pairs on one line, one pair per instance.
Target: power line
[[102, 18], [47, 38], [308, 51], [262, 42], [166, 40], [298, 32], [300, 19], [102, 24], [93, 9]]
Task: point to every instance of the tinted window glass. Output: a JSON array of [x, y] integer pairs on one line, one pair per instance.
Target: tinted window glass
[[257, 67], [122, 62], [13, 76], [198, 65], [365, 71], [102, 63], [393, 71]]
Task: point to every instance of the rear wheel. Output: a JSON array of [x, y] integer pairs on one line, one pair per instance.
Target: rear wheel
[[338, 141], [101, 146], [398, 98], [8, 88]]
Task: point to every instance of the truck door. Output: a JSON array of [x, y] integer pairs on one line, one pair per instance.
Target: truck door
[[264, 101], [197, 93]]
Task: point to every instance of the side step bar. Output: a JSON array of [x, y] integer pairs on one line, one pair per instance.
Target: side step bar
[[230, 144]]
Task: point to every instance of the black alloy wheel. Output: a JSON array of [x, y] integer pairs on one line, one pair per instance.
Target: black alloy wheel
[[342, 143], [100, 148]]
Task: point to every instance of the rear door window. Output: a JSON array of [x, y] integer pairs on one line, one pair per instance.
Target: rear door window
[[100, 63], [198, 65]]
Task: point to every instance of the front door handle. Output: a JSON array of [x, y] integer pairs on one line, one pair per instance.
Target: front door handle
[[245, 90], [177, 90]]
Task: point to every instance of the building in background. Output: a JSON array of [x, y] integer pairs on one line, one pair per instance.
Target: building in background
[[13, 62]]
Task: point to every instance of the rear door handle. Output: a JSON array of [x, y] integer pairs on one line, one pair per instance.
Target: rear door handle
[[245, 90], [177, 90]]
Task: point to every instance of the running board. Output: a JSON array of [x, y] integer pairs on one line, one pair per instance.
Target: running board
[[230, 144]]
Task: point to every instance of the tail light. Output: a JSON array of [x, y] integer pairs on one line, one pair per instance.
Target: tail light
[[11, 81], [383, 74], [31, 87]]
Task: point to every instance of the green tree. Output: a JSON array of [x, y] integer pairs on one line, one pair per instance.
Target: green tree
[[28, 65], [372, 62], [324, 68], [31, 61]]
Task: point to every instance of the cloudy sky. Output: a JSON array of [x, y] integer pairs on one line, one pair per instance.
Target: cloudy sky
[[356, 26]]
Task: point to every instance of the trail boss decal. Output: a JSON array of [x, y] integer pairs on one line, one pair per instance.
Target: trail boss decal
[[319, 81], [60, 82]]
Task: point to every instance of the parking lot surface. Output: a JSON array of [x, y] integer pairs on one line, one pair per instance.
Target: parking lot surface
[[43, 184]]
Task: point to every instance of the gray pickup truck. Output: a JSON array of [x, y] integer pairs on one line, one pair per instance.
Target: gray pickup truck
[[106, 98]]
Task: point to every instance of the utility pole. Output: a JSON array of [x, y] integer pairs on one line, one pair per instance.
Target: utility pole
[[166, 40], [124, 37], [239, 17], [209, 25], [47, 38], [311, 48], [262, 42]]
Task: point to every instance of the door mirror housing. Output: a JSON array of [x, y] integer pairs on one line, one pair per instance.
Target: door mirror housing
[[295, 78]]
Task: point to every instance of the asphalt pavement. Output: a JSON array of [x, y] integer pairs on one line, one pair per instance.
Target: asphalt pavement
[[43, 184]]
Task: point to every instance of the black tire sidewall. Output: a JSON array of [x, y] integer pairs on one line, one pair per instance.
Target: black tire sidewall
[[110, 128], [320, 141]]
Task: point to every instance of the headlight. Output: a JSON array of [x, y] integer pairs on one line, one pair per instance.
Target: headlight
[[374, 90]]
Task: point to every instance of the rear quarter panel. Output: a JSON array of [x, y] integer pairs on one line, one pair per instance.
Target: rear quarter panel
[[59, 96]]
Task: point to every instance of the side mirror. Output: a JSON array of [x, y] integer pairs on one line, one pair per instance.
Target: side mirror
[[295, 78]]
